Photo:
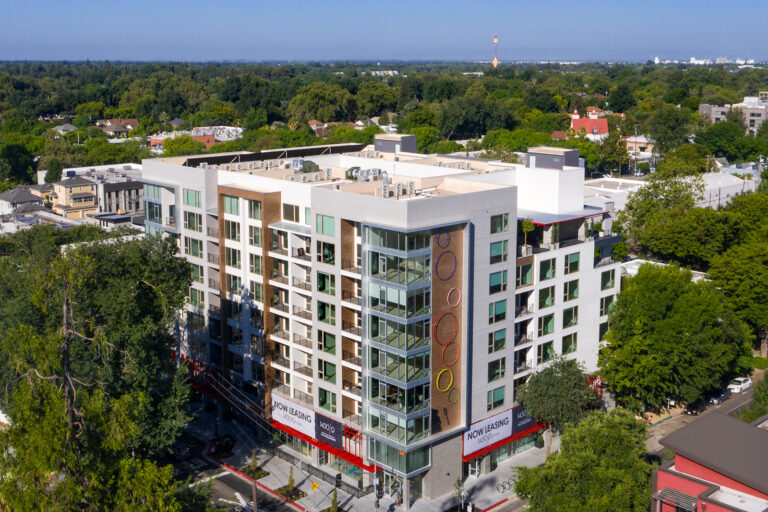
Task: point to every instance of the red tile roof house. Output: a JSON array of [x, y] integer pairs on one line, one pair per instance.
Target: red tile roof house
[[596, 128], [720, 465]]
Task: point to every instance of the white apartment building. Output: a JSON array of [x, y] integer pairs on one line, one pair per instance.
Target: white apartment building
[[383, 307]]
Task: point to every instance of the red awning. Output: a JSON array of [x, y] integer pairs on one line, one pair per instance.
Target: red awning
[[352, 459], [503, 442]]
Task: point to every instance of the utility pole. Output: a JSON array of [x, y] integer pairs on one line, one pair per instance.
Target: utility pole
[[253, 492]]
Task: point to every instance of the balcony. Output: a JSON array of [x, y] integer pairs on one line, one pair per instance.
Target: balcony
[[303, 341], [279, 305], [302, 254], [278, 277], [304, 284], [213, 258], [303, 369], [521, 339], [276, 248], [523, 311], [281, 389], [351, 298], [280, 333], [215, 310], [521, 367], [350, 266], [170, 221], [303, 312], [302, 396], [351, 417], [213, 283], [604, 262], [353, 388], [213, 232], [351, 328], [352, 358], [281, 361]]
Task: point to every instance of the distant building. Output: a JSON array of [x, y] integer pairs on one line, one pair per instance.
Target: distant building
[[11, 200], [596, 128], [753, 108], [118, 127], [74, 198], [720, 464], [65, 128]]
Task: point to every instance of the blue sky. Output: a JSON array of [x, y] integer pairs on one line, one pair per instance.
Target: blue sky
[[384, 30]]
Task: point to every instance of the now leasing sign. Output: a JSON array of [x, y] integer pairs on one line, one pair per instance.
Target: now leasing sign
[[498, 427], [293, 415]]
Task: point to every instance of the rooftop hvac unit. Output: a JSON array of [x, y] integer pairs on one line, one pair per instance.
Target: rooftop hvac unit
[[398, 189], [411, 187], [385, 190], [439, 163], [250, 165], [298, 164], [227, 167], [286, 166], [239, 167], [290, 177], [467, 165], [328, 174], [337, 186], [375, 172], [126, 167], [376, 154], [304, 178]]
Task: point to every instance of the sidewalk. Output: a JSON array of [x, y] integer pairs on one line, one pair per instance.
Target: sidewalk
[[482, 492]]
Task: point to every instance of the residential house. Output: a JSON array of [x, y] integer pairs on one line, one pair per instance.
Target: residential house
[[74, 198], [595, 128], [12, 199], [65, 128]]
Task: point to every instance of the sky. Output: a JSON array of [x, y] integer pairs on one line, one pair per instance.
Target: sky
[[255, 30]]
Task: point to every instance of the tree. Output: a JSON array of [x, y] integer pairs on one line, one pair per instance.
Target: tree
[[334, 501], [557, 395], [728, 140], [373, 97], [527, 227], [53, 174], [324, 102], [685, 160], [182, 145], [742, 274], [621, 98], [669, 336], [426, 136], [612, 151], [16, 163], [459, 494], [541, 99], [291, 481], [669, 127], [601, 466]]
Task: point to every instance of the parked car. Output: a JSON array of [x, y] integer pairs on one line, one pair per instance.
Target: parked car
[[719, 396], [181, 451], [696, 408], [740, 384]]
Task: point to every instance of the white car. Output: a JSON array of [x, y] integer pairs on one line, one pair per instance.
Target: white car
[[740, 384]]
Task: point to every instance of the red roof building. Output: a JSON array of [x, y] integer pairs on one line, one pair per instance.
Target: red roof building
[[591, 126]]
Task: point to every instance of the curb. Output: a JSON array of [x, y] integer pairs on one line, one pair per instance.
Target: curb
[[495, 505], [249, 479]]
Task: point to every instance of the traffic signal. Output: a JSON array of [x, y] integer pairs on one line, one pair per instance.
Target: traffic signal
[[338, 479], [379, 492]]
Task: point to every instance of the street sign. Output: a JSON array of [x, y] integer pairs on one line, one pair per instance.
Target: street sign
[[314, 486]]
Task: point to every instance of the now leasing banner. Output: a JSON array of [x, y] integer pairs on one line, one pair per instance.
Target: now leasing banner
[[498, 427], [293, 415]]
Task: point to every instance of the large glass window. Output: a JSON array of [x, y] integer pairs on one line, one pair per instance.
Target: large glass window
[[499, 251], [327, 400], [608, 279], [545, 352], [571, 290], [497, 340], [497, 369], [546, 297], [495, 398], [499, 223], [232, 205], [379, 237], [606, 304], [232, 230], [399, 270], [326, 283], [571, 263], [398, 302], [197, 273], [192, 197], [254, 264], [153, 212], [254, 236], [569, 343], [547, 269], [326, 371], [234, 283], [326, 253], [257, 291], [326, 342], [325, 225], [497, 282], [524, 274], [326, 313], [546, 325], [497, 311], [391, 456], [232, 257], [196, 297], [570, 317], [398, 367], [291, 212], [399, 335], [254, 209], [152, 191], [603, 330], [193, 247], [193, 221]]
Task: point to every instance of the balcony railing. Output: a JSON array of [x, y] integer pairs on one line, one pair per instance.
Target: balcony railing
[[278, 277], [213, 283], [604, 262], [213, 258], [282, 389], [280, 306], [302, 254], [283, 335], [353, 388], [302, 312], [351, 298], [278, 249], [523, 310], [522, 338], [170, 221], [280, 360], [351, 417], [303, 369], [350, 266], [352, 358], [304, 284], [351, 328], [214, 310], [521, 367], [304, 397], [214, 232], [303, 341]]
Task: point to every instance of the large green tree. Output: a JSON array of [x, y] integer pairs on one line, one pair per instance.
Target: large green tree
[[324, 102], [685, 160], [670, 336], [669, 127], [557, 394], [182, 145], [601, 466]]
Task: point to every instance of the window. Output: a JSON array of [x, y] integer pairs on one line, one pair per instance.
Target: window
[[291, 212], [326, 283], [495, 398], [547, 269], [257, 292], [195, 321], [570, 317], [326, 342], [326, 313], [153, 212], [193, 221], [606, 304], [569, 343], [326, 253], [607, 279], [196, 297], [254, 209], [546, 297], [499, 223], [497, 340], [571, 263], [497, 369], [254, 236], [524, 274], [254, 266], [232, 205], [497, 282], [326, 371], [499, 251], [545, 352], [546, 324], [232, 230], [603, 330], [308, 216], [197, 273], [324, 225], [192, 197], [571, 290], [327, 400], [193, 247], [497, 311], [234, 283], [150, 191], [232, 257]]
